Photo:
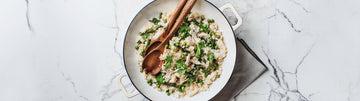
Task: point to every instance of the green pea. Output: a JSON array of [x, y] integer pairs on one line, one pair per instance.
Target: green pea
[[149, 82], [158, 85], [208, 41], [142, 52], [171, 91], [206, 26], [136, 47], [210, 20]]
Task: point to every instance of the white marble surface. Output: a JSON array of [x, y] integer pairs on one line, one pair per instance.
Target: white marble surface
[[69, 50]]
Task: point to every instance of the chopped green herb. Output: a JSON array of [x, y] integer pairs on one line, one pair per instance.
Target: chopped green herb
[[146, 35], [186, 20], [180, 63], [147, 43], [165, 21], [168, 61], [159, 78], [182, 88], [160, 14], [211, 57], [187, 46], [189, 74], [210, 20], [191, 79], [152, 29], [201, 44], [185, 54], [139, 41], [218, 76], [141, 70], [218, 36], [172, 68], [181, 71], [207, 70], [199, 52], [216, 47], [155, 21], [202, 27], [184, 32], [176, 44], [202, 18], [170, 84], [167, 47]]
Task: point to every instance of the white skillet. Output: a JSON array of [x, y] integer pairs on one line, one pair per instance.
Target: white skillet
[[152, 10]]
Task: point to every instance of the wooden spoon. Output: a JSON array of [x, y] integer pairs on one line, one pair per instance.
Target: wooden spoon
[[151, 62], [162, 37]]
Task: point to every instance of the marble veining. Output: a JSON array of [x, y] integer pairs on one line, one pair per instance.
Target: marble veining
[[284, 89], [27, 15], [288, 20]]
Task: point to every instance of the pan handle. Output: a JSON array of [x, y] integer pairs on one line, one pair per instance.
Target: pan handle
[[122, 87], [231, 7]]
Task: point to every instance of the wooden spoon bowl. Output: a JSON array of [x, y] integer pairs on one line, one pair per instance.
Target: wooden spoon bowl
[[163, 36], [152, 61]]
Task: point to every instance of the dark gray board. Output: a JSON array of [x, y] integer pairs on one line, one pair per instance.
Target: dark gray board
[[248, 68]]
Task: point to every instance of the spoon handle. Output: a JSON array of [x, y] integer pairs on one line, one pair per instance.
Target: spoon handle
[[162, 37], [180, 19], [178, 9]]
